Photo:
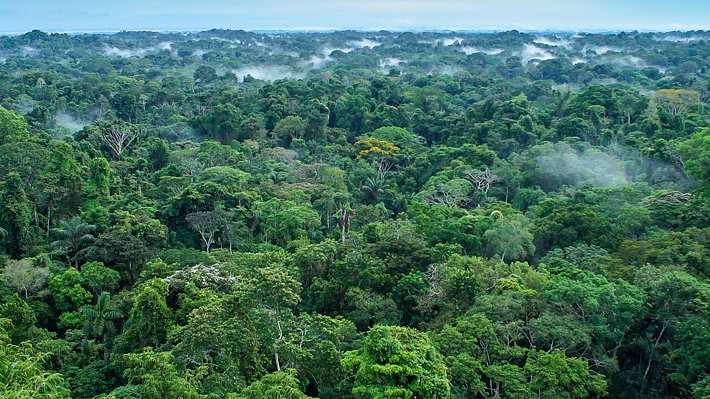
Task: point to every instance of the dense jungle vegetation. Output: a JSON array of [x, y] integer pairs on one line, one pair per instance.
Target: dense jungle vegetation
[[431, 215]]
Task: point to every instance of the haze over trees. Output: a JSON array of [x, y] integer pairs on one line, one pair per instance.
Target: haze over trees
[[252, 215]]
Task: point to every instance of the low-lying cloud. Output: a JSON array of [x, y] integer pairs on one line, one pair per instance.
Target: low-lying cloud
[[68, 122], [113, 51], [267, 72], [531, 52], [468, 50], [559, 164]]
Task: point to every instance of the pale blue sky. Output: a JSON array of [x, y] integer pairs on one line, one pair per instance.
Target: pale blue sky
[[107, 15]]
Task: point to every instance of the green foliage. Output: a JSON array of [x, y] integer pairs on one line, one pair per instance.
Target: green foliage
[[696, 151], [171, 228], [67, 291], [13, 127], [282, 384], [22, 372], [155, 377], [397, 362], [149, 316]]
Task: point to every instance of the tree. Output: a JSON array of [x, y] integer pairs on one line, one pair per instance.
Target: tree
[[24, 277], [67, 291], [15, 213], [61, 182], [207, 224], [696, 154], [100, 278], [99, 178], [157, 377], [100, 318], [22, 318], [509, 237], [350, 113], [205, 74], [397, 362], [282, 221], [554, 375], [289, 128], [370, 146], [222, 122], [118, 137], [483, 179], [676, 102], [281, 384], [22, 372], [73, 235], [149, 316], [13, 127]]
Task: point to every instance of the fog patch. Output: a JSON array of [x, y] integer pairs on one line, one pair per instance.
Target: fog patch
[[628, 61], [364, 43], [68, 122], [531, 52], [452, 41], [577, 61], [468, 50], [392, 62], [680, 39], [221, 39], [445, 70], [324, 56], [28, 51], [199, 53], [113, 51], [267, 72], [24, 104], [559, 164]]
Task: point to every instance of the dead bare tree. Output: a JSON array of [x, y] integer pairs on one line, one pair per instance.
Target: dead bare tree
[[343, 215], [383, 167], [482, 179], [448, 196], [118, 138]]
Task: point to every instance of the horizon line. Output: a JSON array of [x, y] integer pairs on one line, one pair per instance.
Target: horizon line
[[367, 29]]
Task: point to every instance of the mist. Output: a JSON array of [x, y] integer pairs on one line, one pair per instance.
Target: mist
[[681, 39], [324, 56], [364, 43], [531, 52], [113, 51], [68, 122], [559, 164], [452, 41], [28, 51], [392, 62], [267, 72], [629, 61], [468, 50]]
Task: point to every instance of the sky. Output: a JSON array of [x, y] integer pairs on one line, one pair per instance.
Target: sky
[[572, 15]]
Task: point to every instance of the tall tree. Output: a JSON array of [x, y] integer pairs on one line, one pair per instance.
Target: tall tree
[[397, 362], [15, 214], [73, 236]]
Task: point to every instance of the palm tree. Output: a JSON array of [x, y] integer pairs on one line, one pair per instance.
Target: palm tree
[[73, 234], [373, 187], [99, 319]]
